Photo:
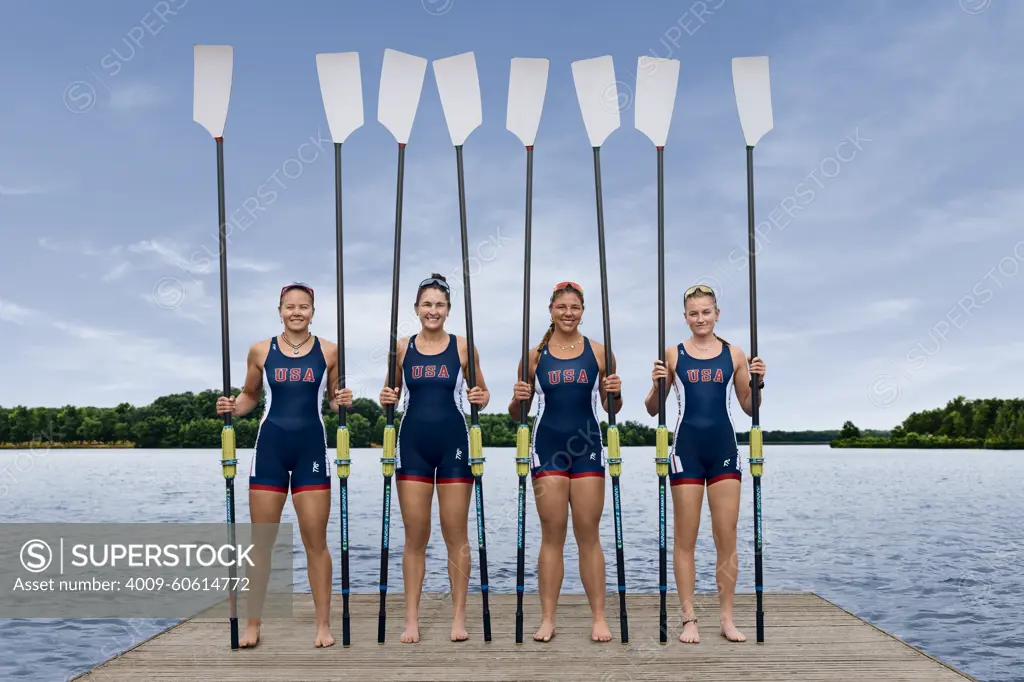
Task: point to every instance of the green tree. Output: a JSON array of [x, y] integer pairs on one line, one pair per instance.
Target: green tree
[[91, 429], [849, 430], [202, 433], [368, 409], [359, 430]]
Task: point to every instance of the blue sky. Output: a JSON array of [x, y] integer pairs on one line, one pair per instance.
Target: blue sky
[[889, 197]]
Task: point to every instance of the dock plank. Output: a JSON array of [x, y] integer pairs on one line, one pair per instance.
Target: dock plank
[[807, 638]]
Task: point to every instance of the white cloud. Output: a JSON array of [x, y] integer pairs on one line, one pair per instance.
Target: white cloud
[[14, 313]]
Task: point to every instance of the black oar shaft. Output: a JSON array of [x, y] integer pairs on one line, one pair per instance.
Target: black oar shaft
[[476, 457], [613, 449], [604, 282], [471, 348], [346, 615], [662, 544], [387, 462], [341, 277], [384, 552], [620, 560], [482, 542], [223, 245], [751, 247], [346, 621], [522, 448], [524, 405], [520, 559], [661, 280], [229, 480], [755, 408], [393, 341]]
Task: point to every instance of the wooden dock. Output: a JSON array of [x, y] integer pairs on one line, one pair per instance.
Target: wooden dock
[[806, 638]]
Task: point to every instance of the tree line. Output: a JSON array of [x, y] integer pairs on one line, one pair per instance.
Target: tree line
[[987, 423], [189, 420]]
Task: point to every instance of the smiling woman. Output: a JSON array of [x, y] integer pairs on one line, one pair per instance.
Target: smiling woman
[[291, 445], [567, 453], [433, 448]]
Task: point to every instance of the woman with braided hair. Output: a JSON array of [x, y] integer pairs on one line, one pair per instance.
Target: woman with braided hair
[[568, 372]]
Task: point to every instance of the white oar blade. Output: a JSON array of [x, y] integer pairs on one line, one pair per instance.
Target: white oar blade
[[459, 87], [211, 89], [401, 83], [656, 83], [598, 95], [752, 84], [527, 85], [341, 87]]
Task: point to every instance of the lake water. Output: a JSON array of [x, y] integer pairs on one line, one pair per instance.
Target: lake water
[[927, 545]]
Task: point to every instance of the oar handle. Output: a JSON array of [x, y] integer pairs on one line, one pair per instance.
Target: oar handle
[[614, 458], [228, 459], [661, 451], [387, 462], [476, 451], [342, 460], [523, 451]]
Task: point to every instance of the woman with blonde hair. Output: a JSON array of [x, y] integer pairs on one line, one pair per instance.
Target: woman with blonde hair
[[704, 369]]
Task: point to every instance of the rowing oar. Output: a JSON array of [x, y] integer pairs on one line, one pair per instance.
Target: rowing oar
[[527, 85], [656, 84], [459, 87], [597, 93], [211, 94], [752, 84], [342, 92], [401, 82]]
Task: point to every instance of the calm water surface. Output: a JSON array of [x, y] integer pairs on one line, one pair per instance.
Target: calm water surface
[[927, 545]]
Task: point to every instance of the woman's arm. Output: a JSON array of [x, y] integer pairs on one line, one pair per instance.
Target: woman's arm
[[387, 395], [741, 380], [253, 387], [330, 351], [610, 381], [668, 371], [524, 390], [478, 395]]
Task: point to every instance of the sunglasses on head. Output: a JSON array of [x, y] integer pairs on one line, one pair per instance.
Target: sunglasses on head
[[298, 285], [699, 288], [434, 280], [572, 285]]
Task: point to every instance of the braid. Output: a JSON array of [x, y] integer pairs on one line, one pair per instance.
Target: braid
[[547, 337]]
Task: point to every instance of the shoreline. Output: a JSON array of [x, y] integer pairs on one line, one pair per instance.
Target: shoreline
[[925, 442], [70, 445]]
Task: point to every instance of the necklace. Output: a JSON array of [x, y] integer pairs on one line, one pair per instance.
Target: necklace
[[571, 345], [703, 350], [297, 346]]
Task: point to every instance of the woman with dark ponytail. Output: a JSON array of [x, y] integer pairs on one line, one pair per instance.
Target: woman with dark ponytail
[[568, 372], [433, 448], [704, 369]]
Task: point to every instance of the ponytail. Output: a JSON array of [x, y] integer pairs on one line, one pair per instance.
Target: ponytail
[[547, 337], [721, 339]]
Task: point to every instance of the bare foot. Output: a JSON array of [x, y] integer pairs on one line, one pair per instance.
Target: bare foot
[[411, 634], [689, 634], [600, 631], [251, 637], [730, 632], [546, 631], [324, 638], [459, 633]]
